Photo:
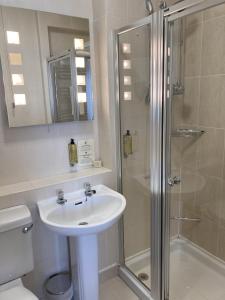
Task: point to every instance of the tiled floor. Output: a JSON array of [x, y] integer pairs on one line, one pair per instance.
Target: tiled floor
[[116, 289]]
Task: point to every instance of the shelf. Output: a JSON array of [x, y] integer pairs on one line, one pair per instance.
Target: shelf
[[187, 132], [25, 186]]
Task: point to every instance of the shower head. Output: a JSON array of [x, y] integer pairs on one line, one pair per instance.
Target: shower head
[[149, 6]]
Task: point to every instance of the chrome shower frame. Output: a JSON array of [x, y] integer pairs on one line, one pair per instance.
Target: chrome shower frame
[[175, 12], [160, 160], [156, 22], [149, 6]]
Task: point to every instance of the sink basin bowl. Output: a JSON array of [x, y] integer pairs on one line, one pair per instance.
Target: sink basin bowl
[[82, 218], [81, 215]]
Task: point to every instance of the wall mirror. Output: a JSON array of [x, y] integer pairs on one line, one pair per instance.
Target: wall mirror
[[46, 67]]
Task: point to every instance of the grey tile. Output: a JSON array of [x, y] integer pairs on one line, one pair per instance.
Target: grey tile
[[221, 243], [116, 289], [213, 47], [214, 12], [222, 206], [210, 152], [174, 211], [194, 19], [206, 235], [191, 100], [188, 193], [212, 97], [189, 154], [193, 45], [175, 153], [208, 199]]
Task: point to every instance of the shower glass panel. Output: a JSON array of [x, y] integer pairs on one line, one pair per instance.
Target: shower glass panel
[[134, 68], [196, 66]]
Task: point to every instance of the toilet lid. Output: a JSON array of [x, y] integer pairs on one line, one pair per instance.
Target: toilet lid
[[17, 292]]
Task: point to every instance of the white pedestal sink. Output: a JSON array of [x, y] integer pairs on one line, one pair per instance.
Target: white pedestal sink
[[83, 218]]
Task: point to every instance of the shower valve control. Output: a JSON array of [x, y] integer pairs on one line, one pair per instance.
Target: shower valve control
[[174, 180]]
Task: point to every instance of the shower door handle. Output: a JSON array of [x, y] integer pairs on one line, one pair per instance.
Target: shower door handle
[[174, 180]]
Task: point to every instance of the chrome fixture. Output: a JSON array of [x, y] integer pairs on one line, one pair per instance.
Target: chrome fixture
[[61, 200], [159, 160], [28, 228], [178, 88], [174, 180], [163, 4], [88, 191], [187, 132], [186, 219], [149, 6]]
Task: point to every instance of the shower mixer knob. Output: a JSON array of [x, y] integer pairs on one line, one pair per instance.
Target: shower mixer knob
[[174, 180]]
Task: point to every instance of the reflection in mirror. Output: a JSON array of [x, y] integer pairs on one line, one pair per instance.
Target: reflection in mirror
[[46, 64], [70, 86], [63, 108]]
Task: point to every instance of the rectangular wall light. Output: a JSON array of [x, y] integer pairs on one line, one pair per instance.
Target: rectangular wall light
[[81, 80], [78, 44], [126, 48], [126, 64], [127, 96], [13, 37], [20, 99], [127, 80], [82, 97], [80, 62], [15, 59], [17, 79]]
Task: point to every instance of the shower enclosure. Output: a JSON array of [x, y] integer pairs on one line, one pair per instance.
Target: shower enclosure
[[171, 111]]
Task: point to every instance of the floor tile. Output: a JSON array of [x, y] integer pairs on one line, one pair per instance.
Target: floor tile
[[116, 289]]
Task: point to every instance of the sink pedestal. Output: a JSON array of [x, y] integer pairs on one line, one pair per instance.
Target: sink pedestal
[[86, 278], [82, 221]]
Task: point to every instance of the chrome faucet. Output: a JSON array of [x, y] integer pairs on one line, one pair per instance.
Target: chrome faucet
[[61, 200], [88, 190]]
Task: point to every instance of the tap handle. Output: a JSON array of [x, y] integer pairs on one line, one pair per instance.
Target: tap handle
[[87, 186], [60, 194]]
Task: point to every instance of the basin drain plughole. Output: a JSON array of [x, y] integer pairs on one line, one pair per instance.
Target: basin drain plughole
[[83, 223], [143, 276]]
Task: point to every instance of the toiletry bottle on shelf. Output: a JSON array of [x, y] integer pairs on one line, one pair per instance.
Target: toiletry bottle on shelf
[[127, 144], [72, 153]]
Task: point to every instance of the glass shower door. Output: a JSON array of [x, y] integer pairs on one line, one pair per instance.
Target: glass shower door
[[134, 102], [195, 143]]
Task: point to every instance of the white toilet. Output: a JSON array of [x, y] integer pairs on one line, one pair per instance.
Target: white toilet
[[16, 252]]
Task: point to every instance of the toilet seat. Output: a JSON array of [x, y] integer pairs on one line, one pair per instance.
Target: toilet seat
[[15, 290]]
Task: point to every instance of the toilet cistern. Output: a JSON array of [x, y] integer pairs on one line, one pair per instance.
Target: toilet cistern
[[15, 234]]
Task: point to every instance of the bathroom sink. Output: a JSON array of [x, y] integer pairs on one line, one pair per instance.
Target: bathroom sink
[[82, 215], [81, 218]]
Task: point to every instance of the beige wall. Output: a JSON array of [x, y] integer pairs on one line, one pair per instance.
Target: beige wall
[[203, 106]]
